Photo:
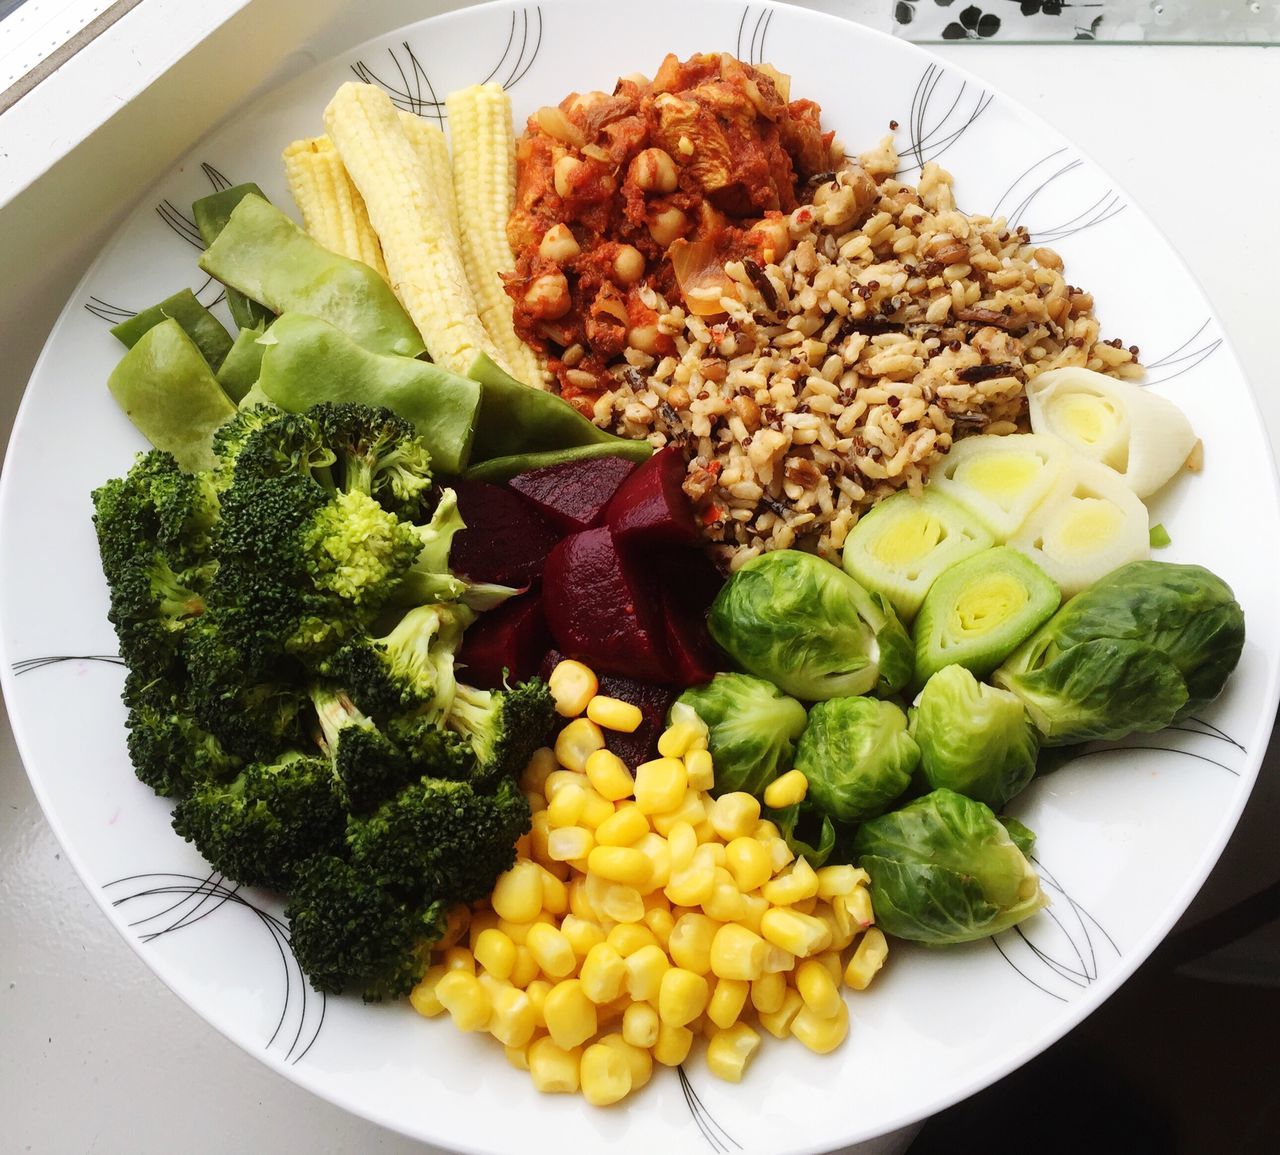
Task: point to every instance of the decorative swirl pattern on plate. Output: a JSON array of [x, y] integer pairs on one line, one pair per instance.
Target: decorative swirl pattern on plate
[[718, 1139], [749, 45], [1033, 181], [930, 135], [1185, 357]]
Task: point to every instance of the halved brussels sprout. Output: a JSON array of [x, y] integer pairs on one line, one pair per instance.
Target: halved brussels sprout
[[809, 628]]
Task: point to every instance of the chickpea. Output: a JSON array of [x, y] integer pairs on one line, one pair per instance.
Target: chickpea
[[547, 297], [653, 170], [565, 171], [628, 265], [558, 244], [645, 338], [776, 238], [668, 226]]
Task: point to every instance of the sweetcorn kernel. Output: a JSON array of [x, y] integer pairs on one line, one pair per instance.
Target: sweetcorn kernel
[[748, 862], [614, 714], [660, 785], [423, 997], [730, 1050], [700, 768], [554, 1069], [786, 790], [572, 686], [734, 815], [638, 1058], [625, 826], [517, 895], [676, 741], [640, 1025], [577, 742], [609, 775], [605, 1075]]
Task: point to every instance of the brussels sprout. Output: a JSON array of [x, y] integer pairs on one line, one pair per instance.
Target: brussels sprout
[[1145, 646], [945, 870], [857, 755], [973, 738], [752, 727], [810, 628], [809, 832]]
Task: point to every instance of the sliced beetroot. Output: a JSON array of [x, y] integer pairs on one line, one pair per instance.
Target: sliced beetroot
[[687, 583], [651, 507], [512, 638], [506, 540], [602, 610], [573, 495]]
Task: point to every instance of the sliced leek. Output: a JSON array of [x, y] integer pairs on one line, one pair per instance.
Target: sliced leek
[[1093, 523], [1001, 479], [899, 547], [1142, 436]]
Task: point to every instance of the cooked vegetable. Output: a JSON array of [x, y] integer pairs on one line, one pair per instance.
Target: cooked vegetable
[[973, 738], [332, 209], [857, 756], [944, 870], [1088, 526], [166, 388], [1142, 436], [484, 179], [499, 469], [239, 370], [810, 629], [979, 610], [432, 150], [213, 341], [651, 508], [307, 361], [421, 250], [899, 547], [1145, 646], [211, 213], [267, 257], [1000, 479], [573, 495], [752, 728]]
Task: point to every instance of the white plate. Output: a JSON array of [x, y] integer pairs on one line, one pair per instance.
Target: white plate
[[1126, 838]]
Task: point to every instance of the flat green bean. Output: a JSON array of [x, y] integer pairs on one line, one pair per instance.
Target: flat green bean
[[499, 469], [211, 214], [213, 341], [243, 363]]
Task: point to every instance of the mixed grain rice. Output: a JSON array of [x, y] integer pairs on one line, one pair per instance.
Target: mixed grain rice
[[843, 372]]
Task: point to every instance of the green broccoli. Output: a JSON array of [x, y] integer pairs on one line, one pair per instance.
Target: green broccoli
[[504, 727], [369, 767], [380, 454], [231, 437], [348, 931], [261, 827]]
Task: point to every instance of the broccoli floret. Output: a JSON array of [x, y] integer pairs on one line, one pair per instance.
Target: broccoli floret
[[348, 931], [262, 826], [411, 668], [368, 765], [434, 751], [231, 437], [380, 456], [504, 727], [441, 839]]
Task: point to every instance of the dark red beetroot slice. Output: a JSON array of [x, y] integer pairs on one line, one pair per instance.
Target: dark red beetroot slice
[[572, 496], [514, 637], [650, 507], [687, 583], [601, 610], [654, 701], [506, 540]]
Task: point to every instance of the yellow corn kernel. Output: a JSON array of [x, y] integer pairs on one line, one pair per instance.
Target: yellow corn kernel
[[768, 992], [625, 826], [676, 741], [682, 997], [582, 933], [611, 1012], [539, 831], [682, 844], [727, 1001], [555, 895], [595, 809], [620, 864], [818, 989], [554, 1069], [423, 997], [640, 1025], [858, 905], [542, 763], [690, 942], [660, 785], [481, 921], [796, 885], [645, 971], [496, 953], [821, 1035], [700, 768], [552, 949], [706, 833], [660, 921], [466, 1000], [577, 742], [735, 814], [566, 807], [537, 991], [615, 900], [628, 937], [457, 922], [517, 895], [806, 905], [799, 934], [748, 861], [835, 967], [638, 1059], [512, 1020], [654, 848], [754, 906], [537, 802], [569, 843], [580, 901], [609, 775], [525, 969], [867, 959], [570, 1015], [572, 686], [838, 880], [518, 1057], [727, 903], [786, 790], [518, 932], [459, 958], [778, 1023], [605, 1075], [779, 852], [614, 714], [693, 885], [692, 809], [603, 973], [673, 1045], [737, 953], [730, 1050], [840, 928], [557, 780]]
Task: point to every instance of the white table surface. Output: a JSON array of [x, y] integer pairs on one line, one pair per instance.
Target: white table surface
[[96, 1055]]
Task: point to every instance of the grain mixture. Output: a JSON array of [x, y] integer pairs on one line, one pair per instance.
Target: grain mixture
[[842, 371]]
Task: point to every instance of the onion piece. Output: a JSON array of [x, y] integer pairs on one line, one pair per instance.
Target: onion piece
[[699, 270]]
